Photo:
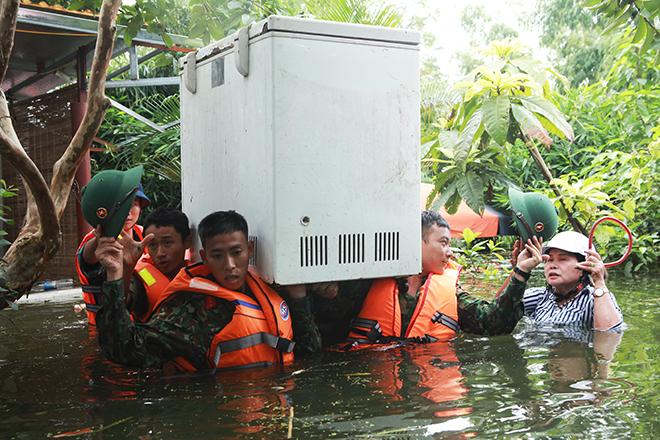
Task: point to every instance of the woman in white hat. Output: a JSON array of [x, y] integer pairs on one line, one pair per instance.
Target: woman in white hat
[[576, 292]]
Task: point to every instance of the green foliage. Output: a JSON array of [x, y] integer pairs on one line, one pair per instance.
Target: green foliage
[[501, 103], [5, 192], [159, 153], [214, 19], [633, 68], [155, 14], [482, 28], [8, 294], [611, 168], [573, 34], [641, 16], [369, 12], [436, 100], [482, 260]]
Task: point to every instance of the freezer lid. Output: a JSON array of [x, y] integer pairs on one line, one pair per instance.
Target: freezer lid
[[306, 26], [335, 29]]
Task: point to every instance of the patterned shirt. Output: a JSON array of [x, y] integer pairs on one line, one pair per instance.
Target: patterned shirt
[[540, 304], [183, 326]]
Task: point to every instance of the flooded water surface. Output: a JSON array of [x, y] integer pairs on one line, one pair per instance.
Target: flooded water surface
[[538, 383]]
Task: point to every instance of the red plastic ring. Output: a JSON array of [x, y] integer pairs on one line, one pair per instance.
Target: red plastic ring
[[630, 240]]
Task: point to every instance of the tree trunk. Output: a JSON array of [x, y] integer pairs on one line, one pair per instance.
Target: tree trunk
[[39, 238], [538, 159]]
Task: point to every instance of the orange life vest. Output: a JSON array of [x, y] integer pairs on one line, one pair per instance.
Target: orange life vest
[[260, 332], [154, 281], [438, 371], [435, 316], [92, 293]]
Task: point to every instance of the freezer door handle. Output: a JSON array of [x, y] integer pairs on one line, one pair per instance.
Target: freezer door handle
[[190, 72], [241, 53]]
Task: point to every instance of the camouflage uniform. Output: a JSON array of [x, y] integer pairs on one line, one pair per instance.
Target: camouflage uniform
[[183, 326], [95, 273], [137, 300], [477, 316]]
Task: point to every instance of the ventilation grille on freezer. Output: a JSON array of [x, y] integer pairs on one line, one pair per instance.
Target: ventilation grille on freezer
[[314, 251], [386, 246], [351, 248]]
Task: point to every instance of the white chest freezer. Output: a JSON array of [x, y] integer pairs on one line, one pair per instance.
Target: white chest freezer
[[310, 129]]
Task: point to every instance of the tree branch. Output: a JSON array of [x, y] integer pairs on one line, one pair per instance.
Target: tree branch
[[8, 18], [8, 129], [65, 168], [538, 159], [34, 247], [39, 238]]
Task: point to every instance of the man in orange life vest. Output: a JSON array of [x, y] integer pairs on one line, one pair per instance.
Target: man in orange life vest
[[152, 273], [430, 307], [213, 315], [100, 193]]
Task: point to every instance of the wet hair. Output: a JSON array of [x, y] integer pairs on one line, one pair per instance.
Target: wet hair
[[430, 218], [221, 222], [163, 217]]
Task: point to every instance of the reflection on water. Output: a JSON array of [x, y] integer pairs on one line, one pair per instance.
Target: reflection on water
[[540, 382]]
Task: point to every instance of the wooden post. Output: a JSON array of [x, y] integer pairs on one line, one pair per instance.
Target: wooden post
[[84, 173]]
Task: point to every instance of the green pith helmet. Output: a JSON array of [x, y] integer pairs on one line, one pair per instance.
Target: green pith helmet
[[534, 213], [108, 198]]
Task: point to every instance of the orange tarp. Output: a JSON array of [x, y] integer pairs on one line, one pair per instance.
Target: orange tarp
[[465, 217]]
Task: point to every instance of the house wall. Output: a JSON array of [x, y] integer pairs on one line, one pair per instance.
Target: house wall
[[43, 125]]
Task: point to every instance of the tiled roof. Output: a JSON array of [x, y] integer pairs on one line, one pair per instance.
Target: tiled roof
[[57, 8]]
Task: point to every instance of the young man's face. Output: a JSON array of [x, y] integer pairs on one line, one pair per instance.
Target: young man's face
[[167, 249], [228, 255], [436, 251]]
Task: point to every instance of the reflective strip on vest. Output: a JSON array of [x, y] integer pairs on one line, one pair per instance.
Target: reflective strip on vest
[[374, 332], [91, 289], [440, 318], [202, 284], [94, 308], [281, 344], [147, 277]]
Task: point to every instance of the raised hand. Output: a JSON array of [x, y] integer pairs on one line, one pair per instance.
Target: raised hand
[[133, 250], [531, 256], [595, 266], [516, 251], [327, 290], [109, 252]]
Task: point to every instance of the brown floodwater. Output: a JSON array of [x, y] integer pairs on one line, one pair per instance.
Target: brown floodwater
[[541, 382]]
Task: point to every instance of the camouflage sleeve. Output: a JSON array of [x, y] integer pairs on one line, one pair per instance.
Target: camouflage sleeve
[[346, 305], [137, 301], [184, 326], [305, 332], [95, 273], [334, 316], [497, 317]]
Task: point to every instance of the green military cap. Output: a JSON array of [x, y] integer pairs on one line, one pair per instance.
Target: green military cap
[[534, 214], [108, 197]]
